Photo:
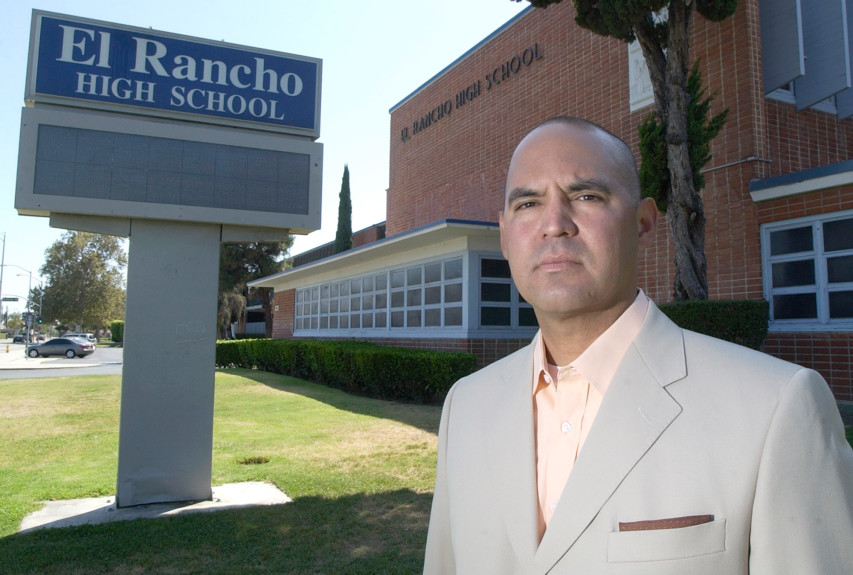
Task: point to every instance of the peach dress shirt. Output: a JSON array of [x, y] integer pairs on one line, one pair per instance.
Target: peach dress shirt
[[566, 400]]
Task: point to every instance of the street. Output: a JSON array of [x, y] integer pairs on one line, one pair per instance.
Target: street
[[14, 364]]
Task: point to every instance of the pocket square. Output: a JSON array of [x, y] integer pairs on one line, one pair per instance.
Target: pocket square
[[670, 523]]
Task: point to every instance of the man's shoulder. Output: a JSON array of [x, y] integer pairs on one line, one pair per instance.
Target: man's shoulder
[[518, 361]]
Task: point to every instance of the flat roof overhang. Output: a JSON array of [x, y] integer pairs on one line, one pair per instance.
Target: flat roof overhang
[[802, 182], [417, 241]]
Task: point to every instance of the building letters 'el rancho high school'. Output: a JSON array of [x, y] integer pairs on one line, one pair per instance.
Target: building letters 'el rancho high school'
[[778, 198]]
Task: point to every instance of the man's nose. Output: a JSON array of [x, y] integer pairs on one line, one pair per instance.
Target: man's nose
[[557, 219]]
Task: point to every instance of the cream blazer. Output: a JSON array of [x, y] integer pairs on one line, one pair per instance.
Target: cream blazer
[[690, 425]]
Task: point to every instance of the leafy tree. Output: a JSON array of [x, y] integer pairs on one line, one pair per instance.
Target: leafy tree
[[665, 45], [239, 264], [14, 322], [85, 280], [343, 237]]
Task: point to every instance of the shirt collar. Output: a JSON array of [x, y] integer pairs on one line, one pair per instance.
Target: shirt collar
[[598, 363]]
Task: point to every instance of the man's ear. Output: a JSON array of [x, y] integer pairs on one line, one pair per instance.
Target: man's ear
[[647, 219], [501, 225]]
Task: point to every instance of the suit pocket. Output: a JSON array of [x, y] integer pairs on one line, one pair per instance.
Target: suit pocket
[[667, 544]]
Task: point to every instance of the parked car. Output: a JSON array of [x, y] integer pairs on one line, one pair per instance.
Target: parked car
[[18, 338], [67, 346], [87, 336]]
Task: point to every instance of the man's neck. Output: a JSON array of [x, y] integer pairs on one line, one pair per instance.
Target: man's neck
[[566, 338]]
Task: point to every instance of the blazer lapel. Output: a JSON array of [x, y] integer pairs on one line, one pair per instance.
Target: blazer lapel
[[512, 457], [634, 413]]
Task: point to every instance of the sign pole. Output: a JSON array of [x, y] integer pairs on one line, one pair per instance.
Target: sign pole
[[166, 424]]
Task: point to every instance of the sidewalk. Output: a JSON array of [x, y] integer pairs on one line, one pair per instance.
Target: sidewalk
[[15, 358]]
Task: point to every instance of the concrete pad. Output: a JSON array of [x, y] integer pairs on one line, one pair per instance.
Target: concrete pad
[[94, 510]]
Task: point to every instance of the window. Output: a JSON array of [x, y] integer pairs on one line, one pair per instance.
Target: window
[[500, 303], [808, 272], [426, 295]]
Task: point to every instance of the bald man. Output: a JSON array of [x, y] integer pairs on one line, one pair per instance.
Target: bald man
[[617, 442]]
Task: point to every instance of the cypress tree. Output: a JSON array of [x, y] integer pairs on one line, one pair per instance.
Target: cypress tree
[[343, 237]]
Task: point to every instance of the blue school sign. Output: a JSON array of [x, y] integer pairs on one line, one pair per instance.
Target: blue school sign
[[82, 62]]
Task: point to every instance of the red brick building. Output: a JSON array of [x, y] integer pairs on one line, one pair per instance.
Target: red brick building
[[778, 197]]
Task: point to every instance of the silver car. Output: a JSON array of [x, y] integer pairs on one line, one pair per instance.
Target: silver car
[[67, 346]]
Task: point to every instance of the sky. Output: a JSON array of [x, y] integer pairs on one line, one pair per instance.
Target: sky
[[375, 53]]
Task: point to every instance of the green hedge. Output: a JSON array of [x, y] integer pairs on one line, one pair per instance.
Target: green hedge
[[740, 321], [358, 367], [117, 330]]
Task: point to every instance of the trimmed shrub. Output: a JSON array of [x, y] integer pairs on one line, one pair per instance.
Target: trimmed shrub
[[117, 330], [739, 321], [357, 367]]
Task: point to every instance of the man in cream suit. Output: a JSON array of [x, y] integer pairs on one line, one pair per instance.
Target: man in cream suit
[[617, 442]]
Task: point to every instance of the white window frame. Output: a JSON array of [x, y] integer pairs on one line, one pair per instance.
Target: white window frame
[[821, 287], [515, 304], [313, 318]]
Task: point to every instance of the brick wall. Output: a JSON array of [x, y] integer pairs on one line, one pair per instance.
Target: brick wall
[[282, 326], [455, 167]]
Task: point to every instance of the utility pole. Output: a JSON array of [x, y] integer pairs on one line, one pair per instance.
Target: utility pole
[[2, 266]]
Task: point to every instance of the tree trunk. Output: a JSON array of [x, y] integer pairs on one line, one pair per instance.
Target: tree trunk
[[685, 211]]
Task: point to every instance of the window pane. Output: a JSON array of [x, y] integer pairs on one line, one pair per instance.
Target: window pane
[[344, 321], [381, 319], [413, 318], [396, 299], [413, 276], [333, 306], [333, 322], [345, 305], [791, 241], [355, 286], [355, 304], [413, 297], [367, 320], [324, 323], [432, 273], [432, 317], [324, 307], [325, 292], [432, 295], [453, 270], [786, 274], [345, 288], [840, 304], [381, 301], [839, 269], [494, 268], [397, 318], [526, 317], [494, 316], [398, 278], [452, 293], [354, 321], [453, 316], [381, 282], [366, 302], [334, 290], [368, 284], [495, 292], [795, 306], [838, 235]]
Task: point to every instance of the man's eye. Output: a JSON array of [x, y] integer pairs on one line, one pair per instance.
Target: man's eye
[[587, 197]]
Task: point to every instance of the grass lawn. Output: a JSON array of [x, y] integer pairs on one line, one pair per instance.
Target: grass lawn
[[360, 472]]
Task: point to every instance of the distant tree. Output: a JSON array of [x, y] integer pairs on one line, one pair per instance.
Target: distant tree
[[84, 280], [238, 265], [665, 43], [14, 323], [343, 237]]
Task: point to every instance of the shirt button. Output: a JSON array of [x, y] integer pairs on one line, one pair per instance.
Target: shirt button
[[566, 427]]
